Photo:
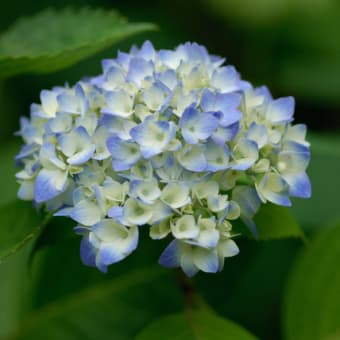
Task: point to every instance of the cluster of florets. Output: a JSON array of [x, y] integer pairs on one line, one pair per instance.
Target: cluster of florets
[[172, 141]]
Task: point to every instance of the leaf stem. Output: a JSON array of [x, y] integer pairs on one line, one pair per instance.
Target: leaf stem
[[186, 287], [28, 237], [192, 299]]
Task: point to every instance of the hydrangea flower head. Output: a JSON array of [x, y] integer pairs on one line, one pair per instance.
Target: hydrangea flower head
[[173, 141]]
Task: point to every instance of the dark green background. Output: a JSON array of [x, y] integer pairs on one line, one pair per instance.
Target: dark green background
[[293, 47]]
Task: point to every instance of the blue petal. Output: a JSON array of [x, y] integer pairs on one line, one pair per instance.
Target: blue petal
[[86, 212], [217, 157], [82, 156], [118, 103], [225, 134], [192, 158], [296, 147], [293, 158], [206, 260], [124, 153], [118, 126], [153, 136], [139, 69], [263, 91], [26, 191], [245, 154], [87, 252], [114, 75], [258, 134], [197, 125], [49, 184], [168, 78], [226, 79], [281, 200], [224, 103], [187, 261], [170, 58], [274, 188], [63, 212], [230, 117], [147, 51], [193, 52], [170, 257], [27, 150], [116, 212], [67, 103], [77, 146], [109, 254], [249, 202], [281, 110], [48, 156], [80, 230], [299, 185], [116, 251]]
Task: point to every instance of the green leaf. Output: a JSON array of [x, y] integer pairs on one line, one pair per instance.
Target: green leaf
[[13, 291], [276, 222], [8, 184], [19, 223], [194, 324], [272, 222], [57, 231], [312, 303], [256, 277], [57, 39], [117, 309]]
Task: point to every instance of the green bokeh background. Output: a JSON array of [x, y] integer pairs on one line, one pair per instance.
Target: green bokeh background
[[291, 46]]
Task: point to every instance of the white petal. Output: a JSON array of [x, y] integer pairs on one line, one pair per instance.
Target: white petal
[[185, 227], [136, 212], [175, 195], [160, 230], [205, 260], [205, 189], [86, 212]]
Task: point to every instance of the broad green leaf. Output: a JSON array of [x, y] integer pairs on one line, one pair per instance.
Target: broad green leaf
[[52, 40], [57, 231], [200, 324], [275, 222], [272, 222], [13, 291], [19, 223], [63, 257], [279, 35], [312, 303], [8, 184], [255, 277], [117, 309]]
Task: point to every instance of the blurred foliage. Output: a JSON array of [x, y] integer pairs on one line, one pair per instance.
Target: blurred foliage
[[293, 47], [265, 12], [293, 44], [312, 303]]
